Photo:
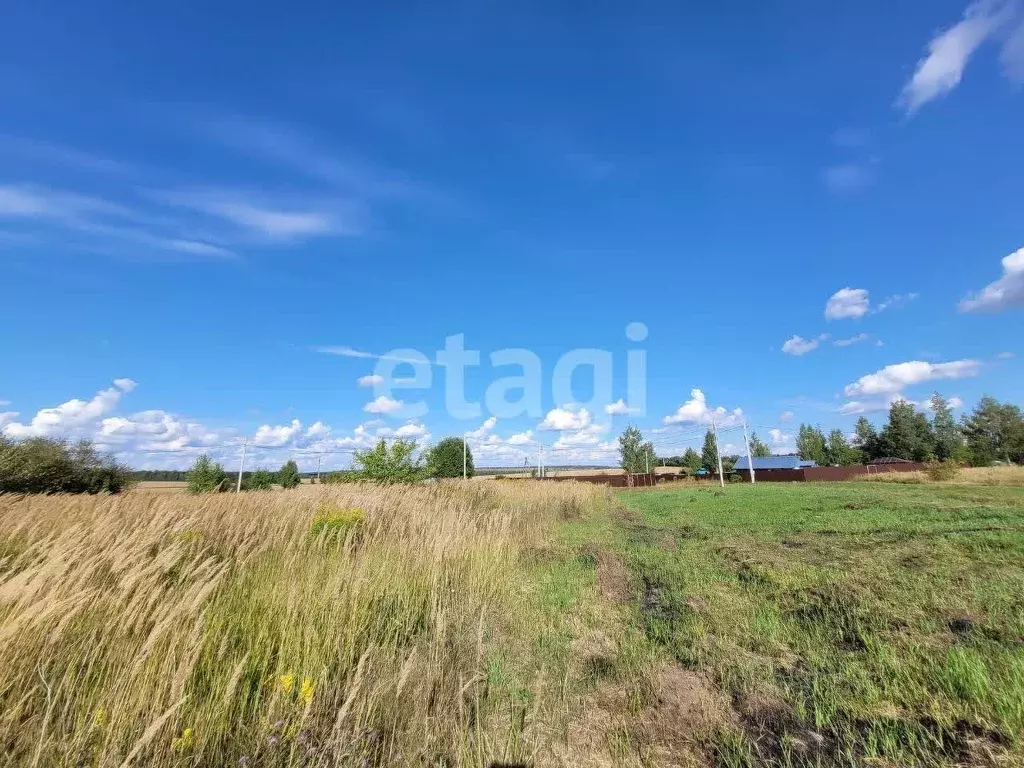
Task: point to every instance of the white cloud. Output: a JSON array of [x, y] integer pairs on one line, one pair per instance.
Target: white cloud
[[1000, 356], [566, 417], [1005, 293], [383, 404], [696, 411], [484, 430], [521, 438], [276, 436], [894, 378], [798, 345], [154, 431], [6, 417], [781, 442], [619, 408], [786, 416], [896, 301], [942, 69], [590, 434], [73, 415], [318, 430], [410, 430], [847, 303], [370, 380], [857, 407], [852, 340]]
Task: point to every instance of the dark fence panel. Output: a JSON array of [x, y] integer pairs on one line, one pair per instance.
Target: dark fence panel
[[773, 475]]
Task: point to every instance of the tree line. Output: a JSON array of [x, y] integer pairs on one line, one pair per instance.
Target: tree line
[[992, 432]]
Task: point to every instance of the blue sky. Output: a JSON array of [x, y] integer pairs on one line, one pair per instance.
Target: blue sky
[[813, 210]]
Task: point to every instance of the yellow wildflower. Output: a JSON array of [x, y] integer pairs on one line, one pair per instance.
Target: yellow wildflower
[[287, 683], [306, 692], [183, 742]]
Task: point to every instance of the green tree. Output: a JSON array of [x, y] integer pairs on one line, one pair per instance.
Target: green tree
[[387, 464], [709, 453], [445, 458], [839, 451], [866, 439], [288, 476], [206, 476], [949, 439], [907, 435], [691, 459], [259, 480], [994, 431], [811, 444], [758, 448], [638, 457], [47, 465]]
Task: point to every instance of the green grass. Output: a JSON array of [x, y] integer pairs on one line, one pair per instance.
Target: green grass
[[848, 623]]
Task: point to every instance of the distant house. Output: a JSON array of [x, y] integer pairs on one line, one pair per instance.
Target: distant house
[[773, 463]]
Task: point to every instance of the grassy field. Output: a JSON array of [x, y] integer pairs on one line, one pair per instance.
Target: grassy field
[[516, 623]]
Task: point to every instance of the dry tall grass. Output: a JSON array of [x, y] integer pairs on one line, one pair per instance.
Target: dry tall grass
[[160, 630], [1012, 476]]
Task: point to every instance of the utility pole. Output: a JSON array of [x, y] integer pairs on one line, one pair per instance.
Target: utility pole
[[750, 459], [718, 451], [241, 466], [319, 456], [542, 462]]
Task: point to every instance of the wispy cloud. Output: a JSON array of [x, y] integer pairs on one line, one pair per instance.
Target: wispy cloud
[[949, 52], [798, 345], [847, 177], [851, 340], [61, 156]]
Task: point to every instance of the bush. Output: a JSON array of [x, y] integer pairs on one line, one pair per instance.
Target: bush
[[446, 459], [259, 480], [289, 476], [388, 464], [333, 521], [46, 465], [206, 476], [941, 470]]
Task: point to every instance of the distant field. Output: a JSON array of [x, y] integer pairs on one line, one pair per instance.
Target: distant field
[[533, 624], [161, 486]]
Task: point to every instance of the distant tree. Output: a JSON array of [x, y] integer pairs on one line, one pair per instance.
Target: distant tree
[[994, 431], [206, 476], [839, 451], [758, 448], [288, 476], [691, 459], [47, 465], [729, 463], [387, 464], [949, 439], [709, 453], [445, 459], [259, 480], [866, 439], [638, 457], [907, 435], [811, 444]]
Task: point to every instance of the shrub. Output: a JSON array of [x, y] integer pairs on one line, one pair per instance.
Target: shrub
[[289, 476], [260, 480], [941, 470], [206, 476], [47, 465], [446, 459], [388, 464], [331, 520]]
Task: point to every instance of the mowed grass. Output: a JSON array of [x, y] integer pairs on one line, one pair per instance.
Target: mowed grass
[[848, 623]]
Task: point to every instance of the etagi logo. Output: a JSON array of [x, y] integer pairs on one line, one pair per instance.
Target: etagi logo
[[403, 370]]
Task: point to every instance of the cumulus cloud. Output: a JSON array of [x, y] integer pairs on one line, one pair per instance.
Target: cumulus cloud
[[6, 417], [696, 411], [798, 345], [942, 69], [1005, 293], [318, 430], [155, 431], [591, 434], [847, 303], [383, 404], [566, 417], [275, 436], [781, 442], [521, 438], [370, 380], [619, 408], [75, 414], [894, 378], [484, 430]]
